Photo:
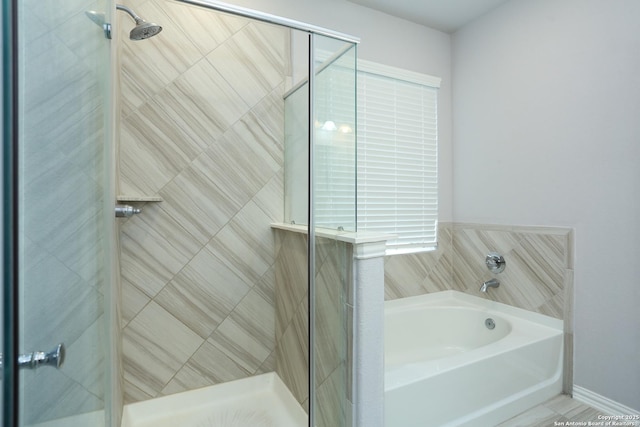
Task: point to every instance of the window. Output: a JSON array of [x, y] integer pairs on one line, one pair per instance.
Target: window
[[397, 156]]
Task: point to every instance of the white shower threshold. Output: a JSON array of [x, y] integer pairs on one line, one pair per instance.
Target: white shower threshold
[[260, 401]]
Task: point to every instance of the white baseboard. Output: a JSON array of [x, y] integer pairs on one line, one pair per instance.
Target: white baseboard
[[601, 403]]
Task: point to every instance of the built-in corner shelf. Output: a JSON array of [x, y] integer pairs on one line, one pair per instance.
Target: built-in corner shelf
[[140, 199]]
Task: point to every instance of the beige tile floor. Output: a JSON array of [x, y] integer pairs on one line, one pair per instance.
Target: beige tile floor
[[556, 412]]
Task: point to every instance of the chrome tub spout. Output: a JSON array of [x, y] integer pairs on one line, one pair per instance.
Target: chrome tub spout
[[493, 283]]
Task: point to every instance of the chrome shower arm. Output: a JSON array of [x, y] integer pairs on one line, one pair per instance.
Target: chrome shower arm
[[130, 12]]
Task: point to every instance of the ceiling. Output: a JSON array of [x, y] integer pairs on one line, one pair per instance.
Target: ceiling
[[443, 15]]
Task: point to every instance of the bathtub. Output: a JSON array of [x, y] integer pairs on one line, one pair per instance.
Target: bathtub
[[445, 367]]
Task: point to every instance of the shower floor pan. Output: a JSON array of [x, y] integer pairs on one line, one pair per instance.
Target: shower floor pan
[[260, 401]]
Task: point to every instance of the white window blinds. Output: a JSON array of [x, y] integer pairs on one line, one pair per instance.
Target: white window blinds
[[397, 156]]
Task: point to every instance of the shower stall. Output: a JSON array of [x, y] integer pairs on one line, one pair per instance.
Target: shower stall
[[232, 134]]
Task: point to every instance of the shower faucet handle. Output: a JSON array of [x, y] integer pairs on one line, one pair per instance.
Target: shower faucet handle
[[495, 262]]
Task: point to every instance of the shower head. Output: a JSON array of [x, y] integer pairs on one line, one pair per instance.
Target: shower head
[[143, 29]]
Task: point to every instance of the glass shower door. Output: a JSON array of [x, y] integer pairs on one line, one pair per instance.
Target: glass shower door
[[64, 213]]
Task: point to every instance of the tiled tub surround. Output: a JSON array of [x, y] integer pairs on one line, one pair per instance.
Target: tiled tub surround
[[538, 276], [201, 127]]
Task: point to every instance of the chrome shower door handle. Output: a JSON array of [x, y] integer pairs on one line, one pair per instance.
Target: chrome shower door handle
[[36, 359]]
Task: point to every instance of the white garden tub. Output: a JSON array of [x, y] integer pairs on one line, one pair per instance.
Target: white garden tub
[[445, 367]]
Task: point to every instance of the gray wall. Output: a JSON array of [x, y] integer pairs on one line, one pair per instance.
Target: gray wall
[[546, 133]]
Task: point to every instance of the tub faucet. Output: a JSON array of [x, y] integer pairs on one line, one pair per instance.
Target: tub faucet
[[493, 283]]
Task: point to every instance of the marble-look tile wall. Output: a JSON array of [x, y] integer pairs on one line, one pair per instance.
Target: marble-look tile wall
[[421, 273], [292, 313], [333, 340], [539, 263], [333, 274], [538, 274], [202, 128]]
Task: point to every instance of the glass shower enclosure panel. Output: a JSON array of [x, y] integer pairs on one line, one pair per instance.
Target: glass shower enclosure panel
[[334, 140], [64, 212], [296, 155], [333, 151], [334, 132], [326, 105]]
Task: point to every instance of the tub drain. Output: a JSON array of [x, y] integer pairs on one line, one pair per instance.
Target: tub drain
[[489, 323]]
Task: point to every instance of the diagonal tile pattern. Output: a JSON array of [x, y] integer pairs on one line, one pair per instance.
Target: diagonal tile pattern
[[416, 274], [333, 271], [153, 150], [187, 101], [207, 366], [245, 244], [203, 129], [148, 67], [154, 248], [156, 344], [292, 313], [197, 203], [203, 294], [538, 266], [252, 61], [206, 29]]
